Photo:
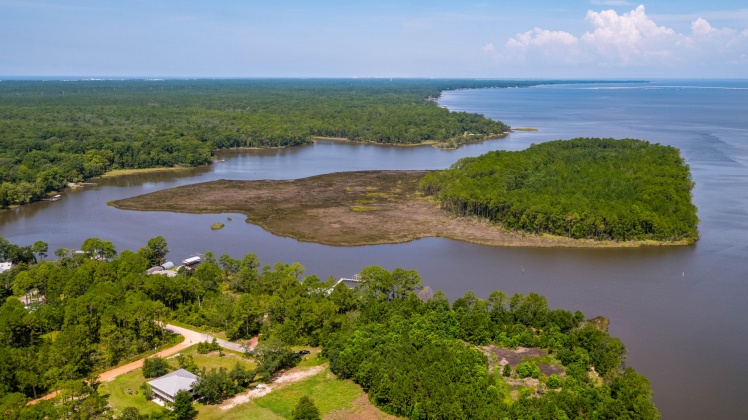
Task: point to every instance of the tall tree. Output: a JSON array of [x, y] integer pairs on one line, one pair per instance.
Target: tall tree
[[305, 410], [182, 407]]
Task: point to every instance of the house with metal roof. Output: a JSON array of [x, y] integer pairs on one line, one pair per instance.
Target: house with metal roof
[[166, 387]]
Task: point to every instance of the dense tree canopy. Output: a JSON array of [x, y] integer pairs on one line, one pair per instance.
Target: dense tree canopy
[[56, 132], [415, 353], [581, 188]]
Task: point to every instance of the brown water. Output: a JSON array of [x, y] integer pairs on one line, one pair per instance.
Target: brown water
[[681, 311]]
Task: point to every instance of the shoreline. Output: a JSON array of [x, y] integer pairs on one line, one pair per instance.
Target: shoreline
[[126, 172], [437, 144]]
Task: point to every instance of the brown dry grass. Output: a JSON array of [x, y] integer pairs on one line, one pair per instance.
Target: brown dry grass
[[362, 409], [345, 209]]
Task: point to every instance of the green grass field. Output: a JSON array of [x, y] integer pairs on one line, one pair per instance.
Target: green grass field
[[117, 389], [120, 399], [328, 392]]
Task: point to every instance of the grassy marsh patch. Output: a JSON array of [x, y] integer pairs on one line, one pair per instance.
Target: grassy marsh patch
[[347, 209]]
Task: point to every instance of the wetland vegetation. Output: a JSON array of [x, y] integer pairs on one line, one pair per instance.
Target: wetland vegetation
[[575, 193]]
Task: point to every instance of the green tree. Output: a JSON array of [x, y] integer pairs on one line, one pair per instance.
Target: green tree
[[154, 367], [130, 413], [273, 356], [214, 386], [182, 407], [97, 248], [305, 410], [40, 248], [155, 251]]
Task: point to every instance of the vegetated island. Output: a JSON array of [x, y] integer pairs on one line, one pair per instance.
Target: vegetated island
[[575, 193]]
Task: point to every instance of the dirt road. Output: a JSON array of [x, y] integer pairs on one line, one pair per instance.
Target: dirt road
[[190, 337]]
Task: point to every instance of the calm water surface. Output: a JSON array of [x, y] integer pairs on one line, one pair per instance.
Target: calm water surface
[[680, 311]]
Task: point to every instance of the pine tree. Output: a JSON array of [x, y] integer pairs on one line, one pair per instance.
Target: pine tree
[[306, 410]]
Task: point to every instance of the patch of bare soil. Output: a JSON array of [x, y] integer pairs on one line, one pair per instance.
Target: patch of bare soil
[[289, 377], [344, 209], [362, 409], [516, 356]]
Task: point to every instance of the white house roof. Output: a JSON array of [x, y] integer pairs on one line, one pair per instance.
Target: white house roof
[[4, 266], [191, 260], [171, 383]]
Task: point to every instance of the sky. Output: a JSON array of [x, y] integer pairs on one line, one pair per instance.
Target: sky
[[384, 38]]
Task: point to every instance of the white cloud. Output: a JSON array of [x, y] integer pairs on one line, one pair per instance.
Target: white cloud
[[701, 27], [489, 47], [628, 40]]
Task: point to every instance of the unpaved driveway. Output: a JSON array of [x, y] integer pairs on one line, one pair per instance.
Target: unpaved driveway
[[190, 337], [286, 378]]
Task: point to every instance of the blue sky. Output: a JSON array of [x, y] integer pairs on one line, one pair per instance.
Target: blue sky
[[488, 39]]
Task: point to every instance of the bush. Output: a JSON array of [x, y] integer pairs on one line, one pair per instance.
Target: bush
[[154, 367], [186, 362], [527, 370], [204, 347], [554, 382], [147, 391], [507, 371]]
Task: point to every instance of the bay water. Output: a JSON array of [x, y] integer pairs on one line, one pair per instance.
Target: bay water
[[681, 311]]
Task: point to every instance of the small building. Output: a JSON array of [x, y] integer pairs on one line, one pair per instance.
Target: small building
[[154, 270], [167, 265], [165, 388], [189, 262], [5, 266]]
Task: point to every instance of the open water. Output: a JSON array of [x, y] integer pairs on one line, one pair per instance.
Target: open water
[[680, 310]]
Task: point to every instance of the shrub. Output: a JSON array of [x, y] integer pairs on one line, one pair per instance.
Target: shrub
[[527, 370], [153, 367], [554, 382]]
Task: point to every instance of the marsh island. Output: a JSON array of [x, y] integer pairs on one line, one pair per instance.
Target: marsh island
[[371, 207]]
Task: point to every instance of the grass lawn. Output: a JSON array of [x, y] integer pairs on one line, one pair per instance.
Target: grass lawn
[[120, 400], [328, 392], [213, 360]]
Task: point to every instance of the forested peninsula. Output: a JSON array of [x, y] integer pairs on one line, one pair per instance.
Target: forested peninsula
[[572, 193], [413, 352], [581, 188], [56, 132]]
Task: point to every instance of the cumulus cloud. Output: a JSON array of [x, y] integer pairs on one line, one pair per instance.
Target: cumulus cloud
[[629, 39]]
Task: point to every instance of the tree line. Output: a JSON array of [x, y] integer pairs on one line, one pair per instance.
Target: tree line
[[56, 132], [415, 352], [581, 188]]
